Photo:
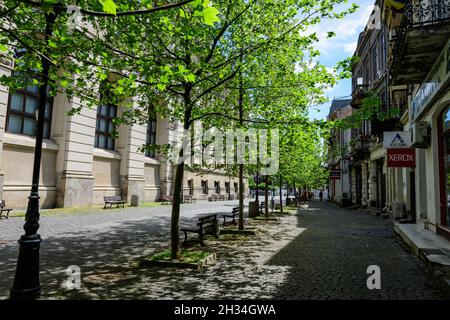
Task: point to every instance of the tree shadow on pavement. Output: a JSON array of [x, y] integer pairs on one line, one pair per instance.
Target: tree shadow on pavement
[[329, 259], [108, 263]]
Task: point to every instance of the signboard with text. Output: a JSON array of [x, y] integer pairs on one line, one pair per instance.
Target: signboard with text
[[401, 158], [435, 80], [396, 139]]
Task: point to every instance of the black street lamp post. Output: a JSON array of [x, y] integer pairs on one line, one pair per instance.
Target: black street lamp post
[[26, 281]]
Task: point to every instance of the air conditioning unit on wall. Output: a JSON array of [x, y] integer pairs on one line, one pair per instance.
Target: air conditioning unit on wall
[[397, 209], [420, 136]]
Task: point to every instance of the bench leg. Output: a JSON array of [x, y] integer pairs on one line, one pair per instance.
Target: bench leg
[[234, 221], [224, 218], [7, 213], [104, 207]]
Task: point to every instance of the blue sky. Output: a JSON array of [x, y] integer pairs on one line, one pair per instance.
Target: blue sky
[[339, 47]]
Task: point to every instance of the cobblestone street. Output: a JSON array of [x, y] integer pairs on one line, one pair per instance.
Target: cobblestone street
[[322, 252]]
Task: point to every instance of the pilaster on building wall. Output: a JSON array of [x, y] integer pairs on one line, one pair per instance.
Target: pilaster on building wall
[[74, 136], [5, 69]]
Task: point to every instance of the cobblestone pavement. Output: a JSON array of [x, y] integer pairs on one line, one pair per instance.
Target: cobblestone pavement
[[322, 252]]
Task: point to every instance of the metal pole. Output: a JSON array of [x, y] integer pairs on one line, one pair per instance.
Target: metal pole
[[26, 281]]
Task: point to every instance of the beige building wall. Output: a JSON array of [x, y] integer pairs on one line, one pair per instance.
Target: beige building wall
[[74, 173], [75, 138]]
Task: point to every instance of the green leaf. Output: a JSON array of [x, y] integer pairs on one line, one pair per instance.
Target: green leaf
[[210, 15], [109, 6], [3, 48], [190, 77], [52, 44]]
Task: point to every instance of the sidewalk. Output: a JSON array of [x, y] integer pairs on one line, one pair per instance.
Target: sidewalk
[[433, 249]]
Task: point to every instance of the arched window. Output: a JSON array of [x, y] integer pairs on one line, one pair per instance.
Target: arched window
[[22, 109], [444, 165]]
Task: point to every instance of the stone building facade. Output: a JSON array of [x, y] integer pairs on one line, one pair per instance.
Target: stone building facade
[[404, 60], [80, 163]]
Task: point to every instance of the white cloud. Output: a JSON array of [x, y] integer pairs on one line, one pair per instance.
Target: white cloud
[[350, 47], [346, 30]]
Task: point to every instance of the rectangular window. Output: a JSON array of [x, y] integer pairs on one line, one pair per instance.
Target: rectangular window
[[236, 187], [151, 136], [205, 186], [227, 187], [366, 71], [105, 126], [22, 110], [191, 186], [374, 62], [217, 187]]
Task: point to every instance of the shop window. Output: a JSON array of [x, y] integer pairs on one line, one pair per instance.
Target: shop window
[[444, 146]]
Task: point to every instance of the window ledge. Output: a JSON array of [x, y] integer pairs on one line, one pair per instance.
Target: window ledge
[[108, 154], [27, 141], [149, 160]]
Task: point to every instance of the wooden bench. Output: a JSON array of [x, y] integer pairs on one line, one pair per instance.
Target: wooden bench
[[166, 199], [206, 225], [232, 216], [117, 200], [189, 199], [213, 197], [3, 209]]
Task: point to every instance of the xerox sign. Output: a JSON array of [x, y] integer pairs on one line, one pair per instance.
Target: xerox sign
[[403, 158]]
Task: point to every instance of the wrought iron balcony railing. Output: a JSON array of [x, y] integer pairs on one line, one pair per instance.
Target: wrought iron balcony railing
[[419, 13], [358, 94]]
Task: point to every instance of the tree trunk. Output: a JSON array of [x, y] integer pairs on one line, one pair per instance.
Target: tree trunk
[[287, 194], [241, 197], [241, 166], [257, 189], [281, 193], [178, 183], [266, 191], [175, 218], [295, 195]]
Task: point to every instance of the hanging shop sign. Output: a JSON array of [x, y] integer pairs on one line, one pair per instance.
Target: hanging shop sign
[[432, 84], [396, 139], [335, 174], [401, 158]]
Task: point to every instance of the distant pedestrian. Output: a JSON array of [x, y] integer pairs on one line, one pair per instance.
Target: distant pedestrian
[[321, 195]]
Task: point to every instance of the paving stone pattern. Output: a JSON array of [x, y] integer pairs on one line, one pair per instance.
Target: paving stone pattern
[[322, 252]]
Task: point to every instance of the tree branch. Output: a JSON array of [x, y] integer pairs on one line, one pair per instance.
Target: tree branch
[[231, 76], [118, 14]]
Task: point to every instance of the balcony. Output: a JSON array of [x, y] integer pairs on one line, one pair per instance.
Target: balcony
[[380, 126], [420, 38], [358, 95], [360, 149]]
